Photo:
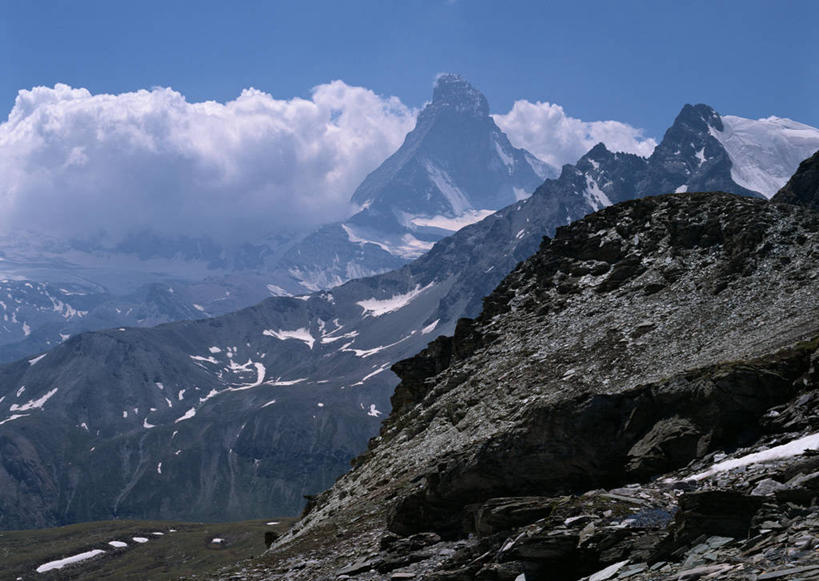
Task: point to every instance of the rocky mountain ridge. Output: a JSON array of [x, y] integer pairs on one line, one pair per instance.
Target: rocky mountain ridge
[[646, 341]]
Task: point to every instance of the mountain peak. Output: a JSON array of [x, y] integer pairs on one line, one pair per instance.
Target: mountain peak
[[454, 92], [699, 116]]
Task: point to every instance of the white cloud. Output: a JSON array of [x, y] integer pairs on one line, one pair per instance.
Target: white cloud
[[546, 131], [73, 163]]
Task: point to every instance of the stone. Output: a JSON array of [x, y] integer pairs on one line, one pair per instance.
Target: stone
[[767, 487], [715, 512], [608, 572], [787, 573], [359, 566], [499, 514]]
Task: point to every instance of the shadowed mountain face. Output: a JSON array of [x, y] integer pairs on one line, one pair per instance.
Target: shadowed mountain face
[[803, 188], [241, 415], [648, 335]]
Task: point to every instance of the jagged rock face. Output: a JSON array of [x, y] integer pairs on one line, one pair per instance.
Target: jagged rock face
[[690, 156], [803, 188], [635, 340]]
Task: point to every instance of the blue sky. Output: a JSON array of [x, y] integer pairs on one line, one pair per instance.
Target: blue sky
[[635, 62]]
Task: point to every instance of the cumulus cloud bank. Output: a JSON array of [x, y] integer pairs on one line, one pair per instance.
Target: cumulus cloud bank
[[73, 163], [546, 131]]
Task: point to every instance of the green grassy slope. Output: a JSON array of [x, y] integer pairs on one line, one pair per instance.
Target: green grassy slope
[[186, 552]]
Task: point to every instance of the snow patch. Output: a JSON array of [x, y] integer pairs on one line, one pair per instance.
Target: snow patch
[[456, 198], [187, 415], [596, 197], [139, 539], [507, 159], [34, 403], [378, 307], [118, 544], [286, 382], [13, 417], [373, 412], [60, 563], [36, 359], [277, 291], [452, 224], [430, 328], [301, 334], [792, 448]]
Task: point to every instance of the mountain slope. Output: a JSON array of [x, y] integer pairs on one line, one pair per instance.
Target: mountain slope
[[803, 188], [642, 337], [125, 393]]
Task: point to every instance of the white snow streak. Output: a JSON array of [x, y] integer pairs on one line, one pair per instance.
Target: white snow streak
[[188, 415], [378, 307], [451, 224], [793, 448], [34, 403], [430, 328], [456, 198], [59, 564], [301, 334]]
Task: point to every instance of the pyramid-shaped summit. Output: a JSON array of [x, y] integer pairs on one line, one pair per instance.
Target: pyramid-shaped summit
[[454, 168], [454, 92], [454, 162]]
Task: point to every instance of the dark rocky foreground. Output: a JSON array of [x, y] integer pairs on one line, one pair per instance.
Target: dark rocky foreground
[[579, 427]]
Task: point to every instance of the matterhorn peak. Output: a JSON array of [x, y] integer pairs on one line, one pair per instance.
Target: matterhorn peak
[[452, 91]]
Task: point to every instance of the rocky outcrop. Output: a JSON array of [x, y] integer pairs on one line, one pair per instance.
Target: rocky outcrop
[[583, 423], [803, 188]]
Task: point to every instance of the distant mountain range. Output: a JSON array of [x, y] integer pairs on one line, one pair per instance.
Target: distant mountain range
[[455, 168], [243, 414]]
